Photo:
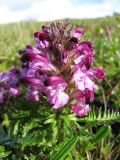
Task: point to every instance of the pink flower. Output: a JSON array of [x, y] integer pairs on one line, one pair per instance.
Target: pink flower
[[42, 65], [80, 108], [15, 91], [89, 95], [109, 31], [33, 94], [84, 54], [55, 92], [81, 111], [82, 81], [57, 97], [98, 73], [78, 33], [42, 40], [31, 81]]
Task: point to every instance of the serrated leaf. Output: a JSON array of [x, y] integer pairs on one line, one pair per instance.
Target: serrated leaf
[[29, 126], [100, 118]]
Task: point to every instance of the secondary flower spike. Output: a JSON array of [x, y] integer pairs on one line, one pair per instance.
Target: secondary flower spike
[[9, 85], [60, 66]]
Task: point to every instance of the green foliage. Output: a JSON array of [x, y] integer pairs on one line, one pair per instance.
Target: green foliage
[[3, 153]]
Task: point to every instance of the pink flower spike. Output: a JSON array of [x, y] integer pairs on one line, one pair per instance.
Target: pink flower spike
[[60, 67]]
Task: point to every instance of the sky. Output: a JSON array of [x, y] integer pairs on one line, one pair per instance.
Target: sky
[[47, 10]]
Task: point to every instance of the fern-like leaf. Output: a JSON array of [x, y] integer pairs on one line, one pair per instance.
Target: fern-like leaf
[[101, 117]]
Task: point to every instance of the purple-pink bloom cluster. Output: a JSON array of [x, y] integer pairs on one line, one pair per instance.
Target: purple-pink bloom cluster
[[60, 67]]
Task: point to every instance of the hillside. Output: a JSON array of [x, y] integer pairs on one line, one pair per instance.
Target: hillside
[[105, 34]]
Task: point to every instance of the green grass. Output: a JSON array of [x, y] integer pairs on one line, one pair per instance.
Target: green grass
[[37, 130]]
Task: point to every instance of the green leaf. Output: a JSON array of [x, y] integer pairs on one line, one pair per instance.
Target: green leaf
[[65, 149], [3, 153], [30, 125], [101, 133], [29, 140]]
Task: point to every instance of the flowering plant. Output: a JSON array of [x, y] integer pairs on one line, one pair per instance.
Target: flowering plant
[[59, 66]]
